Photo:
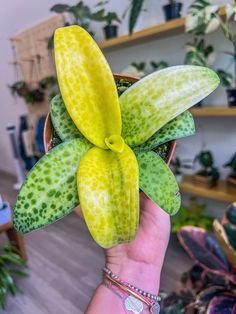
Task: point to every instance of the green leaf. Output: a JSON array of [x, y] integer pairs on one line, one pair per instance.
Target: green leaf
[[109, 195], [2, 297], [60, 8], [225, 78], [19, 273], [158, 182], [183, 125], [49, 191], [9, 283], [136, 7], [62, 122], [160, 97], [13, 258]]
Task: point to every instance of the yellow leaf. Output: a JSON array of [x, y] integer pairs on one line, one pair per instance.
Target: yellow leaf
[[109, 194], [87, 85]]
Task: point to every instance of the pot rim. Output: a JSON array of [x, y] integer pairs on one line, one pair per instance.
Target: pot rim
[[47, 132]]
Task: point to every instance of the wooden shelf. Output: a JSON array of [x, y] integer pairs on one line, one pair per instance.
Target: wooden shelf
[[219, 193], [159, 31], [214, 112]]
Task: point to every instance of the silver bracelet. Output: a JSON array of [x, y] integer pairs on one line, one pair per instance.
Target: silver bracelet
[[152, 297]]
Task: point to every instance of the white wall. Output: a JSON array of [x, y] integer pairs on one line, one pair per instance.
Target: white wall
[[218, 133]]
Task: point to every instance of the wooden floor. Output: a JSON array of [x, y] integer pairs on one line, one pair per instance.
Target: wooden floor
[[65, 266]]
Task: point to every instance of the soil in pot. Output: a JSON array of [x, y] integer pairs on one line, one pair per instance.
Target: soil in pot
[[110, 31], [172, 10], [231, 95]]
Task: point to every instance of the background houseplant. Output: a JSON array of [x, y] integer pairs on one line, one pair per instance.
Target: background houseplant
[[192, 215], [204, 17], [110, 29], [78, 14], [11, 265], [231, 180], [210, 285], [172, 11], [208, 175], [44, 90]]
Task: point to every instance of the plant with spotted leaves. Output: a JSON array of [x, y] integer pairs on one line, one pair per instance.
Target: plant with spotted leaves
[[112, 151]]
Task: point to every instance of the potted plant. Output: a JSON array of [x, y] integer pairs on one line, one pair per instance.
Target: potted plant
[[203, 17], [110, 29], [38, 94], [192, 216], [172, 10], [231, 180], [208, 175], [11, 265], [78, 14], [199, 53], [157, 66], [30, 95], [136, 69]]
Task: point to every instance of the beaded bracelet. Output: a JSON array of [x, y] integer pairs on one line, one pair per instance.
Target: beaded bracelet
[[147, 298]]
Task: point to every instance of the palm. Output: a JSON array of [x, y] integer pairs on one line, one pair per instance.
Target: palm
[[152, 238]]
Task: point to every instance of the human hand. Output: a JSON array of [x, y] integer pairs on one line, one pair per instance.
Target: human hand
[[140, 261]]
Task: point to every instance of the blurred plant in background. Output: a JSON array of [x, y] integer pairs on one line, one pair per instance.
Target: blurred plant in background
[[111, 19], [45, 90], [192, 216], [199, 53], [78, 14], [11, 266], [142, 68], [210, 285], [204, 17]]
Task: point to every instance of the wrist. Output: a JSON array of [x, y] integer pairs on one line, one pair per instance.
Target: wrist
[[141, 275]]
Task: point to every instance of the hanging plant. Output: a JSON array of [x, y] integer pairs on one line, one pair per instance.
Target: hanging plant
[[35, 95]]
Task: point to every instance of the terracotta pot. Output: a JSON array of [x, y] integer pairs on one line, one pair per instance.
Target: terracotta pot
[[48, 127]]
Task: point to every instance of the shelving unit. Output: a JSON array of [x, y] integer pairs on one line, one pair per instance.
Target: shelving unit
[[156, 32], [214, 111], [218, 193]]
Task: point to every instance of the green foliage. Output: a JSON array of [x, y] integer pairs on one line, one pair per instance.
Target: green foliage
[[205, 158], [35, 95], [189, 217], [135, 10], [48, 81], [102, 15], [198, 53], [232, 164], [140, 66], [204, 17], [80, 13], [201, 15], [11, 266], [156, 66], [225, 78]]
